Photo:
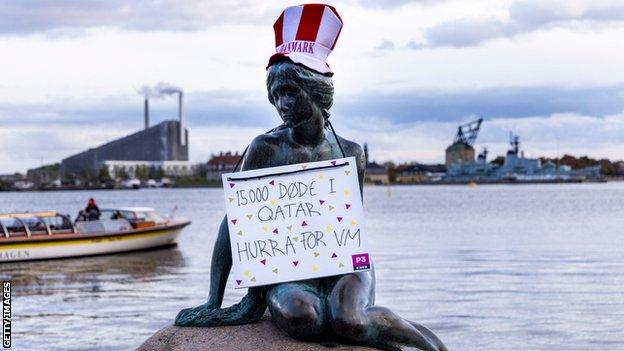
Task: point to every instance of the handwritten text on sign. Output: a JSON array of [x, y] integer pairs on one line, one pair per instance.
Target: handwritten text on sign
[[295, 222]]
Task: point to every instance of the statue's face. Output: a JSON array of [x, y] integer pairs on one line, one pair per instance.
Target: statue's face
[[293, 103]]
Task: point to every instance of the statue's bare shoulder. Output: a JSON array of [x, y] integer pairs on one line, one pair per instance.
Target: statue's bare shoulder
[[263, 150]]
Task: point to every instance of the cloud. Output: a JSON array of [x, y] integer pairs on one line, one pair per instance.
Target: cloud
[[399, 126], [72, 17], [523, 17], [251, 108], [63, 17], [381, 4], [201, 108], [510, 102], [385, 45], [467, 32]]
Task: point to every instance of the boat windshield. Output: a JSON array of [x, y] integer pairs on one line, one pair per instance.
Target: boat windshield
[[154, 217], [110, 215], [143, 216]]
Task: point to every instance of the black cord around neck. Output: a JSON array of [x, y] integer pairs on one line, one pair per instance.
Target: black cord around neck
[[336, 136]]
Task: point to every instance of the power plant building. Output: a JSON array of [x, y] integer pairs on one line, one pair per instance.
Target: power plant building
[[165, 144], [158, 143]]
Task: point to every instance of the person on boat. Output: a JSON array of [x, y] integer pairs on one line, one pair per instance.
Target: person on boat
[[338, 307], [92, 211]]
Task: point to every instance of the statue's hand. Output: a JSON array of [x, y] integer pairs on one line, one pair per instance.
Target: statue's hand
[[206, 315], [249, 309]]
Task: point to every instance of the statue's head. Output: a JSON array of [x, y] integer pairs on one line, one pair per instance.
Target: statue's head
[[299, 94]]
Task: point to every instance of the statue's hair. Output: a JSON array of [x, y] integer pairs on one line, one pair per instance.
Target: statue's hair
[[319, 87]]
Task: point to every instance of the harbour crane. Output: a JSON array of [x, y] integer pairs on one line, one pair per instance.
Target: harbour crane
[[467, 133]]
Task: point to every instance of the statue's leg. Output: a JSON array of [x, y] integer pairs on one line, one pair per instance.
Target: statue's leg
[[351, 316], [297, 309]]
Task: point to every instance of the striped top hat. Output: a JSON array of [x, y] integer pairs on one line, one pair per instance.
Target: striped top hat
[[307, 34]]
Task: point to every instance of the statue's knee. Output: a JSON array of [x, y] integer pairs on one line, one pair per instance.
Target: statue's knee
[[351, 325], [298, 317]]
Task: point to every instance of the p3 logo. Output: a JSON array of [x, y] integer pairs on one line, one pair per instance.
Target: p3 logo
[[360, 261]]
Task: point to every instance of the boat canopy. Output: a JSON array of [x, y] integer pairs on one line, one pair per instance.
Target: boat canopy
[[34, 223], [28, 214]]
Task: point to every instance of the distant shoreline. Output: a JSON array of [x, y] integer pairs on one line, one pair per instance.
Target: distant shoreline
[[466, 183]]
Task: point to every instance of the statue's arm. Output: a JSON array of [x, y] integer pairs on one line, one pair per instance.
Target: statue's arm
[[361, 167], [252, 306], [258, 156], [220, 266]]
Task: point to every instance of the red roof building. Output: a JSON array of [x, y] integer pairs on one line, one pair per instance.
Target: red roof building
[[224, 162]]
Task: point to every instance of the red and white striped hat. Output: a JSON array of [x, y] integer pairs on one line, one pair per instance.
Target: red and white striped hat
[[307, 34]]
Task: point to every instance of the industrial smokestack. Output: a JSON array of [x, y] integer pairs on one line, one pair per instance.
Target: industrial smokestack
[[158, 91], [146, 112], [181, 116]]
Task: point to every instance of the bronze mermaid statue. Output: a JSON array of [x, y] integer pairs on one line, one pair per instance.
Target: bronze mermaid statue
[[339, 308], [330, 309]]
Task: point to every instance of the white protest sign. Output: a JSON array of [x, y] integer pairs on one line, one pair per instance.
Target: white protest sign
[[295, 222]]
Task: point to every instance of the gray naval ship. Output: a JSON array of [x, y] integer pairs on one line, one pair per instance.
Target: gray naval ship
[[462, 166]]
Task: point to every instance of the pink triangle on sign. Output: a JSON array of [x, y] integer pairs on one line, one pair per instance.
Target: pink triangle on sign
[[232, 185], [295, 263], [263, 261], [303, 224], [233, 221], [272, 182], [334, 255], [238, 282], [321, 201], [347, 206], [339, 219], [275, 231], [333, 163]]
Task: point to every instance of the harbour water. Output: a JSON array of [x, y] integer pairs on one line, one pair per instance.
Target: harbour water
[[499, 267]]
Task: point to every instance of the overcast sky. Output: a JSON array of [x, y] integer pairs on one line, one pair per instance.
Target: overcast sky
[[406, 73]]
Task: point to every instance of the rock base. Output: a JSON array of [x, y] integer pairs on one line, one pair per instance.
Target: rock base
[[262, 336]]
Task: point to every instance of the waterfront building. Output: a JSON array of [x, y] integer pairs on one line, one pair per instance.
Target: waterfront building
[[619, 168], [11, 178], [375, 173], [156, 144], [459, 152], [149, 169], [45, 175], [9, 181], [224, 162], [419, 173]]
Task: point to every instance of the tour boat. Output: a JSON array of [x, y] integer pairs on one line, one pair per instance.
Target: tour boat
[[46, 235]]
